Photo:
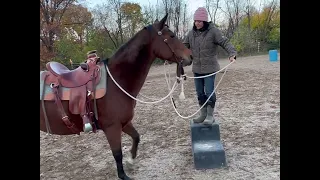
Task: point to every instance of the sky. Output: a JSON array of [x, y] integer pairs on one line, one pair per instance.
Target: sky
[[192, 5]]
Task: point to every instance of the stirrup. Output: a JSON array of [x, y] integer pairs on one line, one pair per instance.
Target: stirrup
[[87, 127]]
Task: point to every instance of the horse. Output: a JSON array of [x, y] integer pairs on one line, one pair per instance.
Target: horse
[[114, 110]]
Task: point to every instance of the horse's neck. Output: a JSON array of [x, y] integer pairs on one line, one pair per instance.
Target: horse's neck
[[132, 67]]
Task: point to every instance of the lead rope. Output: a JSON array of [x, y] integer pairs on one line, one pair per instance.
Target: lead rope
[[182, 96], [154, 102], [186, 117]]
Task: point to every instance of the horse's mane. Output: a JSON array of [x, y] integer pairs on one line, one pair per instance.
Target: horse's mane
[[132, 47]]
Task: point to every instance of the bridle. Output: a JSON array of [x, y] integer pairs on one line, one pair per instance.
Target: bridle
[[179, 71]]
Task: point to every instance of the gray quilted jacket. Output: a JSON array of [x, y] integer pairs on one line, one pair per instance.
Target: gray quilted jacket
[[204, 46]]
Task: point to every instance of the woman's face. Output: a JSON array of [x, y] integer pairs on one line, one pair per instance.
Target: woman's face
[[198, 24]]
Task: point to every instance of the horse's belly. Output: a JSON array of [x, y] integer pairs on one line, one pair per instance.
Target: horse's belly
[[56, 124]]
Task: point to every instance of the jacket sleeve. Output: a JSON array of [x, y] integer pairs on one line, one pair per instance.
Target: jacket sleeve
[[186, 41], [224, 42]]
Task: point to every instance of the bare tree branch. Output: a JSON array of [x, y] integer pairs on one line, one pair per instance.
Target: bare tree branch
[[108, 32]]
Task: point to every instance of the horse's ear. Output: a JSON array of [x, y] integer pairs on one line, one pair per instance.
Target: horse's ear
[[156, 21], [163, 21]]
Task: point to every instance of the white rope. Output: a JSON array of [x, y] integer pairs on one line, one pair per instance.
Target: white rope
[[170, 92], [212, 73], [166, 82], [151, 98], [174, 87], [182, 96], [169, 85], [186, 117]]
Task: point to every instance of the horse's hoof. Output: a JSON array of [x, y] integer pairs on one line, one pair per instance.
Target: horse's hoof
[[125, 178], [87, 128]]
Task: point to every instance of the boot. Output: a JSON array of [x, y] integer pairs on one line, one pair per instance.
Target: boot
[[203, 114], [209, 119]]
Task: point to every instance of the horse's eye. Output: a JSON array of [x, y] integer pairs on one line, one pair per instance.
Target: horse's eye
[[172, 36]]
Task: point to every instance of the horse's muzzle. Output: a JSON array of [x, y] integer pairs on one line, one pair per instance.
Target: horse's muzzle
[[187, 62]]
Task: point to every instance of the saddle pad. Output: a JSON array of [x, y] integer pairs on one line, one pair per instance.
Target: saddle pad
[[49, 95]]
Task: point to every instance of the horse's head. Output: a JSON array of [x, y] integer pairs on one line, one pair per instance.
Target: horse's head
[[167, 46]]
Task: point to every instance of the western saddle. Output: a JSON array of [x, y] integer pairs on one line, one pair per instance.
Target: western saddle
[[82, 82]]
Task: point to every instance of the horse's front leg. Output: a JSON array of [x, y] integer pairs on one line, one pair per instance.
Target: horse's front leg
[[113, 134], [132, 132]]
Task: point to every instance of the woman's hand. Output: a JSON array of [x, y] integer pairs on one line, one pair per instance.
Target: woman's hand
[[232, 58]]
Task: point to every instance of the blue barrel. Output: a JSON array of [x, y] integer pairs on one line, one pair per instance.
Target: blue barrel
[[273, 55]]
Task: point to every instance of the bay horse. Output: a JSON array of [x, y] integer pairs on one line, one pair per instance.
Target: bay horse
[[129, 66]]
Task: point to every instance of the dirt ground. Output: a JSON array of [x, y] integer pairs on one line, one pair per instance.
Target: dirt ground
[[247, 108]]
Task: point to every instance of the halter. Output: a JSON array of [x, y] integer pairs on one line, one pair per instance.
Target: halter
[[179, 63]]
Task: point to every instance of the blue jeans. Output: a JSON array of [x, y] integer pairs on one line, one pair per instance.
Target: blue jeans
[[204, 88]]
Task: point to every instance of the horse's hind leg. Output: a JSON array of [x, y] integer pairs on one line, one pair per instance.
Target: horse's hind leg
[[131, 131], [113, 134]]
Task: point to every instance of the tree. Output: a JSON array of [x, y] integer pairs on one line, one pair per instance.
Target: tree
[[213, 6], [258, 27], [77, 18], [132, 16], [51, 13], [109, 17], [234, 13]]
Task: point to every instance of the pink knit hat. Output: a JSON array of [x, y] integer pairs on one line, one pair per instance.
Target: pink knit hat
[[201, 14]]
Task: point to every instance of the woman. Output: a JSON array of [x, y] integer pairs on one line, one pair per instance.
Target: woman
[[203, 40]]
